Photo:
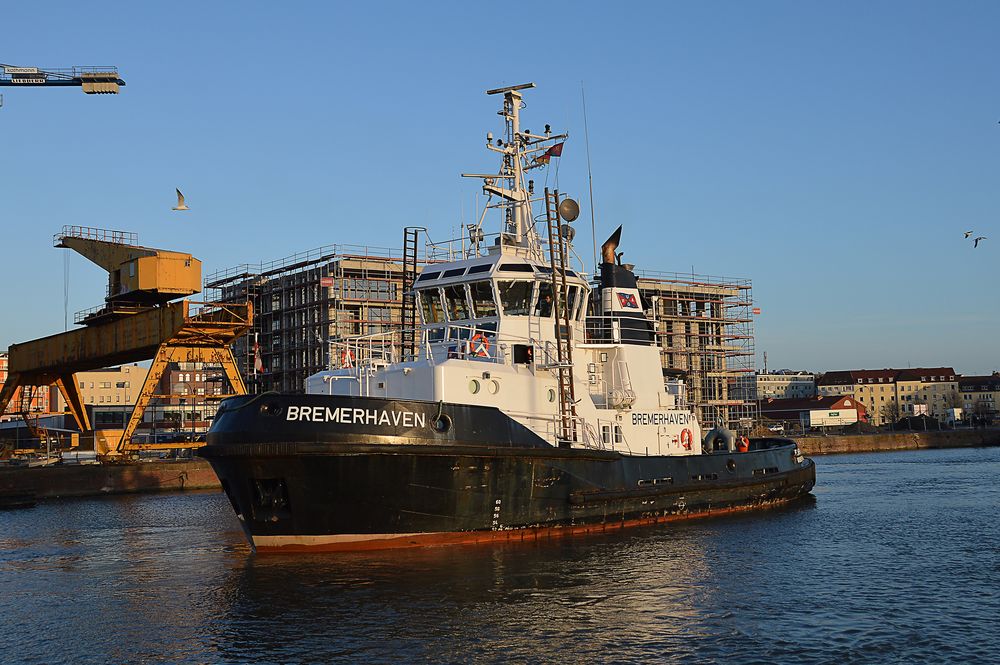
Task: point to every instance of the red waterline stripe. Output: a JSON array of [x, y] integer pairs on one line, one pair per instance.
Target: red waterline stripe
[[511, 535]]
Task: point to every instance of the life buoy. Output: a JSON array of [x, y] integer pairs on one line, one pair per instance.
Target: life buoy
[[480, 345], [744, 445], [687, 438], [347, 358]]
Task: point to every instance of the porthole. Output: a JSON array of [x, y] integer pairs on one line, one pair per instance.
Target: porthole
[[731, 466], [552, 394], [494, 386], [271, 409], [443, 423], [474, 386]]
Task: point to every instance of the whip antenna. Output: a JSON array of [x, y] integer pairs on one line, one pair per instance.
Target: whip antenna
[[590, 175]]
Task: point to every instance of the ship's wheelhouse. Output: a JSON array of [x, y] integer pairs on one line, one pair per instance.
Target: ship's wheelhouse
[[485, 300]]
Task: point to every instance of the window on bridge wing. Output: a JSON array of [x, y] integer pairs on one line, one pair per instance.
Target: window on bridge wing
[[571, 298], [543, 306], [456, 302], [515, 298], [483, 303], [430, 306]]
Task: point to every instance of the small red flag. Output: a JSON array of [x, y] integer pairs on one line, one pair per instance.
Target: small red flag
[[554, 151]]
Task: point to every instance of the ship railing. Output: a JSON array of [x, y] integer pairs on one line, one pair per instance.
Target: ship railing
[[466, 342], [476, 243], [366, 351], [479, 342], [620, 330], [548, 426]]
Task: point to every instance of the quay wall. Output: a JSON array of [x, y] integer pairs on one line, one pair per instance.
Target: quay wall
[[883, 442], [78, 480]]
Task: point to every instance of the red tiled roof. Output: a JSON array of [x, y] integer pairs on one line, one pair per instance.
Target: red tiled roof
[[789, 409]]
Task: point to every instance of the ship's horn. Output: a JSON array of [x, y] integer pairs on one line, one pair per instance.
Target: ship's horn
[[610, 245]]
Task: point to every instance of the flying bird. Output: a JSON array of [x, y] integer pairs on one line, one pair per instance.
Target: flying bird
[[975, 241], [180, 201], [968, 233]]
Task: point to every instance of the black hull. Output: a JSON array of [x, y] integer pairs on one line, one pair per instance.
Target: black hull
[[360, 491]]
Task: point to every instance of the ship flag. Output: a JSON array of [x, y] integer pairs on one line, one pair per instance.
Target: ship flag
[[554, 151]]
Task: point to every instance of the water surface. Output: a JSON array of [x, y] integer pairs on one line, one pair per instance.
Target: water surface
[[895, 559]]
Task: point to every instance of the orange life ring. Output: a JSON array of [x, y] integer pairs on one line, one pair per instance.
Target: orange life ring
[[347, 358], [687, 438], [480, 345]]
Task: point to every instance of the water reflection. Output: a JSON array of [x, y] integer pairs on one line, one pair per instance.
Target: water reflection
[[579, 599]]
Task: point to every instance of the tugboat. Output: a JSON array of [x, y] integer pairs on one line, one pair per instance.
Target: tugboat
[[527, 403]]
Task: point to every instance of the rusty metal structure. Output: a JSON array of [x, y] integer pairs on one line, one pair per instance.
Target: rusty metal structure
[[138, 321]]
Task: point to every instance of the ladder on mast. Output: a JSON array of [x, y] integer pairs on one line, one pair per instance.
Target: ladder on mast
[[558, 258], [408, 336]]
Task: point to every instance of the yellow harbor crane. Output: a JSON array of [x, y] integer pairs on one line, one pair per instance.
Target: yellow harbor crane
[[138, 321]]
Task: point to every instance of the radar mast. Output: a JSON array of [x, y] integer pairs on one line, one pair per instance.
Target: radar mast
[[520, 151]]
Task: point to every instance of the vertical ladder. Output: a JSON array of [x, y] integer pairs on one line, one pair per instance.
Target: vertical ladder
[[408, 336], [558, 257]]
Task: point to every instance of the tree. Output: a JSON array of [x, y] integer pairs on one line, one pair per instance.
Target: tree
[[889, 412], [953, 400]]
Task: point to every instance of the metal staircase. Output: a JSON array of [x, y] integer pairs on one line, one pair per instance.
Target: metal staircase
[[27, 398], [566, 431]]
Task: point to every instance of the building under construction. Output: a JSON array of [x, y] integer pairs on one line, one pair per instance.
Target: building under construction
[[305, 303], [705, 329]]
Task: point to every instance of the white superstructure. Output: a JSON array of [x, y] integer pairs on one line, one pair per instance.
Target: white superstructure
[[492, 322]]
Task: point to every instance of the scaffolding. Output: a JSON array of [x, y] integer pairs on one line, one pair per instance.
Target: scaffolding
[[704, 325], [308, 302]]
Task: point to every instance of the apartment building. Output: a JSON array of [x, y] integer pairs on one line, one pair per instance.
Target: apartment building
[[783, 384], [890, 394]]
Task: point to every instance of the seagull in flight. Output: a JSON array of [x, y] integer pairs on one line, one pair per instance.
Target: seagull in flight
[[968, 233], [180, 201], [975, 241]]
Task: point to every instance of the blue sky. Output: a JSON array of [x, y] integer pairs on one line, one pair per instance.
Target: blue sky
[[831, 152]]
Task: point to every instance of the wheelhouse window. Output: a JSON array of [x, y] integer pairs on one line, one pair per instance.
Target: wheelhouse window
[[483, 304], [543, 306], [430, 306], [515, 298], [456, 302]]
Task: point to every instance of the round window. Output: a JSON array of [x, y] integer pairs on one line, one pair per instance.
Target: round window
[[494, 386], [552, 394], [474, 386]]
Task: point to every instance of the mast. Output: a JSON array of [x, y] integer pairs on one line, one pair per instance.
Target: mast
[[517, 149]]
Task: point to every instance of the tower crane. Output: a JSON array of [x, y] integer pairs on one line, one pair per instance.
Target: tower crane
[[93, 80]]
